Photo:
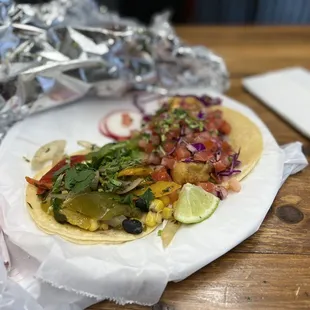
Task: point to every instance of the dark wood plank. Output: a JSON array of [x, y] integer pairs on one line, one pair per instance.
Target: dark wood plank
[[239, 281]]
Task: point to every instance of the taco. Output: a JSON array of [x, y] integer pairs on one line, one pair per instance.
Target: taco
[[124, 190]]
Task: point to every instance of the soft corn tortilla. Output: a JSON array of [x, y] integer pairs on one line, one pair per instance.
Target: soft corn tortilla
[[71, 233], [247, 137], [244, 135]]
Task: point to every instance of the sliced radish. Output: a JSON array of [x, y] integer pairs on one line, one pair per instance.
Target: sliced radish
[[114, 126], [102, 128]]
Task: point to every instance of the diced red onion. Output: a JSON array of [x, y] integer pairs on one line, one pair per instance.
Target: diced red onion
[[201, 115], [218, 155], [191, 148], [221, 192]]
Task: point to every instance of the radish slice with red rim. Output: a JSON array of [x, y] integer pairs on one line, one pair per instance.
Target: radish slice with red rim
[[119, 124]]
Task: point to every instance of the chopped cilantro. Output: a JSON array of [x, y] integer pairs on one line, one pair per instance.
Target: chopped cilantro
[[112, 158], [148, 197], [128, 200], [61, 170], [159, 233], [57, 185], [79, 178]]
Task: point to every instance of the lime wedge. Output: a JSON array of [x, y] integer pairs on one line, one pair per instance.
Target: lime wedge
[[194, 204]]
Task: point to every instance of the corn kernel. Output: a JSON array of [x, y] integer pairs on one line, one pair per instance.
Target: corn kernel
[[104, 226], [167, 213], [165, 200], [174, 205], [156, 205], [150, 220], [159, 218], [94, 225]]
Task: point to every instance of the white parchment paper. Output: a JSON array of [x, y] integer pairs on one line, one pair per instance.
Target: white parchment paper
[[135, 272]]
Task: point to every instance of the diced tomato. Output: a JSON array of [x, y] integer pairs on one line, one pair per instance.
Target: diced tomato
[[202, 137], [204, 155], [224, 159], [173, 134], [190, 138], [210, 145], [153, 159], [219, 166], [155, 139], [216, 114], [161, 174], [225, 128], [149, 147], [142, 143], [182, 152], [210, 125], [126, 119], [169, 146], [187, 130], [226, 148], [208, 187], [168, 162]]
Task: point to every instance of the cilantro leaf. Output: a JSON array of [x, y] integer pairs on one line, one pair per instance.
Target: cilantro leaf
[[57, 185], [70, 178], [83, 180], [148, 197], [61, 170], [79, 178], [127, 200]]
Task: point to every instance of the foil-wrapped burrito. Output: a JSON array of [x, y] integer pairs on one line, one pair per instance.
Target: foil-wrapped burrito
[[57, 52]]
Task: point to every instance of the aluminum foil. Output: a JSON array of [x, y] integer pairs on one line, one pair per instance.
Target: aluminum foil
[[57, 52]]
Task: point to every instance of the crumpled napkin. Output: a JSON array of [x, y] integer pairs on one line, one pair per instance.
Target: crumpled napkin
[[287, 92], [136, 272]]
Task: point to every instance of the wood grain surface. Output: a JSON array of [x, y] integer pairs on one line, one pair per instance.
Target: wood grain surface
[[270, 270]]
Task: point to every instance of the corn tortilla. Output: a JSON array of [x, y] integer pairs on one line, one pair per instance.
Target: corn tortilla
[[245, 135]]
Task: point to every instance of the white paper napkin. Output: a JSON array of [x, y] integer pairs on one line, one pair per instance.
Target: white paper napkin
[[287, 92], [137, 271]]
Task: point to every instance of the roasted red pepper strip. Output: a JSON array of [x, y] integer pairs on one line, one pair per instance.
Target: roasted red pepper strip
[[39, 183], [46, 181]]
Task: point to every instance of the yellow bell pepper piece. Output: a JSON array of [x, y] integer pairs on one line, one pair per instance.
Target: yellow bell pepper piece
[[159, 189], [138, 171]]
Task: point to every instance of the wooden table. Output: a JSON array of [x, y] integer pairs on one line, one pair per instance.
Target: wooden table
[[270, 270]]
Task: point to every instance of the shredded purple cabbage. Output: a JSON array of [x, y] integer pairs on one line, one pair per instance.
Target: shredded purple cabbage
[[234, 164], [209, 101], [199, 146], [201, 115], [204, 99], [191, 160]]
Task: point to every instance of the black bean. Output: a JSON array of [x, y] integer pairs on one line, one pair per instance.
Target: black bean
[[141, 204], [132, 226]]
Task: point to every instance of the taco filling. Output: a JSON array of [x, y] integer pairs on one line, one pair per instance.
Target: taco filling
[[124, 190]]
